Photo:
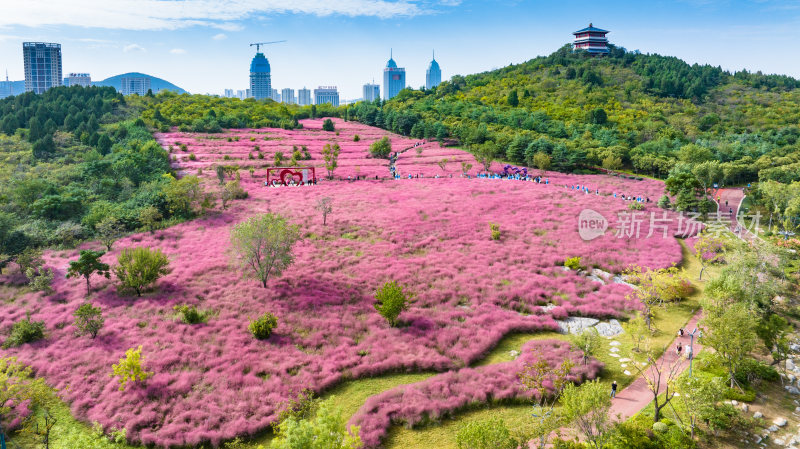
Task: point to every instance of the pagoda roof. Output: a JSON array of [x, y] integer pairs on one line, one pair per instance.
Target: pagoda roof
[[589, 29]]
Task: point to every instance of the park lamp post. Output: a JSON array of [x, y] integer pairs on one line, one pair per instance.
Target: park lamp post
[[691, 349]]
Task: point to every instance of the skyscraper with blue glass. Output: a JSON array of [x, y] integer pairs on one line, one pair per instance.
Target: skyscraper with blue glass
[[260, 77], [394, 79], [42, 63], [433, 76]]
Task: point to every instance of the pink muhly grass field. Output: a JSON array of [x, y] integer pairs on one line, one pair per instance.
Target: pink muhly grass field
[[214, 381], [438, 396]]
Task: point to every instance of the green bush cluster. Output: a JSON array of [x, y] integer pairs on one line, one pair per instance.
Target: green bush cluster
[[262, 327]]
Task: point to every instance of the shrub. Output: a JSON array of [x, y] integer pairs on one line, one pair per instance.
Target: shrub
[[573, 263], [356, 138], [29, 258], [192, 157], [191, 314], [140, 267], [232, 191], [381, 148], [660, 427], [262, 327], [495, 229], [130, 369], [664, 202], [390, 301], [491, 433], [88, 320], [327, 125], [635, 206], [40, 280], [24, 331]]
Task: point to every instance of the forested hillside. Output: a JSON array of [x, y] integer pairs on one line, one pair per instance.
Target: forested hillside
[[649, 113]]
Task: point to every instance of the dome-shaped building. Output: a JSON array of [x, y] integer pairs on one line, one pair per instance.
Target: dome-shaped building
[[433, 76], [260, 77], [394, 79]]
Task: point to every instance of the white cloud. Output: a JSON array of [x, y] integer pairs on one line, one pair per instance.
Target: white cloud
[[178, 51], [220, 36], [132, 47], [174, 14]]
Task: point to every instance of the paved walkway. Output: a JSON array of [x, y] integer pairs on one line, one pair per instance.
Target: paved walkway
[[732, 198], [637, 395]]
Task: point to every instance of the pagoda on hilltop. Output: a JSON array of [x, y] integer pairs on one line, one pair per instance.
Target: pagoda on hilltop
[[592, 40]]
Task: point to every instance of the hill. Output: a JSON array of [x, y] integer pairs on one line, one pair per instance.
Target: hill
[[648, 113], [157, 84]]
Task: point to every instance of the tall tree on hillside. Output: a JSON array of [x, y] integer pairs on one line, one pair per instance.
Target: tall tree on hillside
[[88, 264], [330, 154], [262, 245], [731, 330]]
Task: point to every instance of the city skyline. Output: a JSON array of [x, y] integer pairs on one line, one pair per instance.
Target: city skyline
[[204, 48]]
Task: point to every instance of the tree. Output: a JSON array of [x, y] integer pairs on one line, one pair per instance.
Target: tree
[[390, 301], [325, 206], [612, 162], [466, 167], [130, 369], [775, 332], [657, 288], [140, 267], [709, 249], [587, 341], [149, 218], [104, 144], [443, 164], [656, 371], [707, 174], [597, 116], [109, 229], [636, 328], [29, 258], [15, 388], [44, 148], [330, 154], [731, 330], [381, 148], [587, 406], [664, 202], [699, 397], [232, 190], [513, 99], [327, 125], [88, 320], [220, 174], [262, 245], [537, 377], [542, 161], [490, 433], [39, 425], [484, 155], [326, 430], [88, 264]]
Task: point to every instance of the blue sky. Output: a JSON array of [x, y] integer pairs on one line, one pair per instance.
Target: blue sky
[[202, 45]]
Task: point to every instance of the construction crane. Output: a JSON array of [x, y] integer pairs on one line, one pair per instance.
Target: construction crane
[[259, 44]]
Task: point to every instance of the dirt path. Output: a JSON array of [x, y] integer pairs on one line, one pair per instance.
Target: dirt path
[[637, 395]]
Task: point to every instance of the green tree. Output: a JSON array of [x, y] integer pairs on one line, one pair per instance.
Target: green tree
[[330, 154], [130, 369], [490, 433], [612, 162], [597, 116], [262, 246], [88, 263], [484, 155], [109, 229], [513, 99], [390, 301], [699, 397], [149, 218], [327, 125], [24, 331], [326, 430], [539, 377], [731, 331], [587, 341], [381, 148], [140, 267], [659, 373], [44, 148], [707, 173], [586, 407], [542, 161], [88, 320], [636, 329]]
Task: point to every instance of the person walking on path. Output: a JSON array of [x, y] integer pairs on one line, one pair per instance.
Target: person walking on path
[[679, 349], [680, 332], [614, 389]]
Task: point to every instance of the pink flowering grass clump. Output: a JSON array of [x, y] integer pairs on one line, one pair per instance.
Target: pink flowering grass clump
[[214, 381], [444, 394]]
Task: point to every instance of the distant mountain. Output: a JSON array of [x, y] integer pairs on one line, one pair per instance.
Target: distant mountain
[[157, 84]]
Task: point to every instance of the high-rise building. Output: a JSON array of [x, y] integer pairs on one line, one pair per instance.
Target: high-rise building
[[275, 95], [228, 93], [394, 79], [42, 62], [260, 77], [241, 94], [248, 93], [78, 79], [372, 92], [287, 96], [304, 97], [326, 94], [6, 89], [135, 85], [433, 76], [591, 39]]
